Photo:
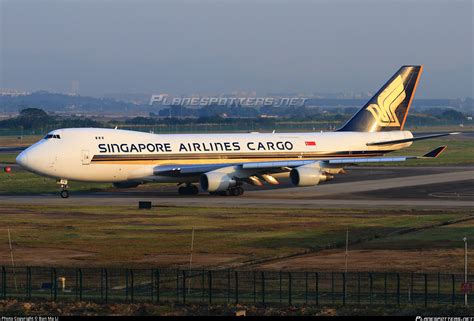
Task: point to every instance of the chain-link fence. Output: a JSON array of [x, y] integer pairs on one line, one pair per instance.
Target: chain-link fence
[[231, 286]]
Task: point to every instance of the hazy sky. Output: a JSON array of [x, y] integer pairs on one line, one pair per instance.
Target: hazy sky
[[222, 46]]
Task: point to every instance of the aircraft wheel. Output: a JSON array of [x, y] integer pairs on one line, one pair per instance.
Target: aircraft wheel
[[64, 193], [235, 191], [188, 190]]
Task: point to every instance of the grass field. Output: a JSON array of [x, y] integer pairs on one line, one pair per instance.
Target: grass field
[[22, 182], [224, 237]]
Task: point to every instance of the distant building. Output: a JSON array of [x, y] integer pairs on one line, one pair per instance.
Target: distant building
[[12, 92], [74, 88]]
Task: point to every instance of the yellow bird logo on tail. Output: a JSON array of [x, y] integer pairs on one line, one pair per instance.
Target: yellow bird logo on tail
[[387, 104]]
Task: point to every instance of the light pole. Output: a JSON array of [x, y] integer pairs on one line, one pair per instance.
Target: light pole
[[465, 268]]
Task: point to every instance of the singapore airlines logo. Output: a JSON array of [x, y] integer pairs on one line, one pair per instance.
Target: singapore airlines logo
[[387, 103]]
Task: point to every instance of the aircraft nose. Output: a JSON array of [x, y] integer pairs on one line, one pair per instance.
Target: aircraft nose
[[22, 159]]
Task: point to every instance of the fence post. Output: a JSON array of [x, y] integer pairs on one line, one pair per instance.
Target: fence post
[[281, 282], [263, 287], [254, 287], [177, 285], [80, 284], [426, 289], [106, 281], [54, 285], [210, 286], [344, 288], [127, 284], [358, 288], [152, 285], [439, 287], [102, 285], [411, 289], [385, 288], [184, 286], [228, 286], [203, 288], [4, 282], [132, 290], [289, 289], [28, 282], [332, 287], [306, 287], [236, 287], [157, 280], [398, 289], [453, 295], [317, 288], [106, 275], [371, 284]]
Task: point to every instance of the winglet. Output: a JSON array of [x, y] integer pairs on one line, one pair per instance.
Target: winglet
[[435, 152]]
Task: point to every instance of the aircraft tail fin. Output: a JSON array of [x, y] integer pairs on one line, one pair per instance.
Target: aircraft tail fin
[[388, 109]]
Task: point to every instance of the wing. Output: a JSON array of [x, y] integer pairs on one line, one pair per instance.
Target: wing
[[406, 140], [243, 170]]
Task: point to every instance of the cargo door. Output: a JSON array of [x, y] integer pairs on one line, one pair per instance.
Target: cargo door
[[86, 160]]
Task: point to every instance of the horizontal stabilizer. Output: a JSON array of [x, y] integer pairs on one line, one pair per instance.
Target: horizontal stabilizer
[[435, 152], [406, 140]]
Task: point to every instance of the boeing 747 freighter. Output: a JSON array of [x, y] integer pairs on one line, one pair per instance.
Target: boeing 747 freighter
[[223, 163]]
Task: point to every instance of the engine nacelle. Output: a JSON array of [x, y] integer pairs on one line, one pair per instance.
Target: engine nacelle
[[308, 176], [216, 182]]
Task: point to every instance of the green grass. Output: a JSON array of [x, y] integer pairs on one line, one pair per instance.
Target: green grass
[[8, 158], [21, 182], [119, 235], [444, 237]]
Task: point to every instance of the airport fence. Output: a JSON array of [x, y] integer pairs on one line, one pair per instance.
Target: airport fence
[[109, 285]]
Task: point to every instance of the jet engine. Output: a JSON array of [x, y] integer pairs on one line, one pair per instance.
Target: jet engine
[[216, 182], [308, 175]]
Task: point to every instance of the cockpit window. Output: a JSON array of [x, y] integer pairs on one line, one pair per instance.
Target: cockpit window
[[49, 136]]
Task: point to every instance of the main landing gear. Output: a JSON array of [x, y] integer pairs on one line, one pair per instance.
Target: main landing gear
[[189, 189], [64, 192], [233, 191]]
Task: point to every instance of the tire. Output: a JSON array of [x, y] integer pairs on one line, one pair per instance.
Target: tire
[[64, 193], [194, 190], [182, 191], [235, 191]]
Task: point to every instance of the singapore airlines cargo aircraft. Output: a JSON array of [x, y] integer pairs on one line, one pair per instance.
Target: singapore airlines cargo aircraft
[[222, 163]]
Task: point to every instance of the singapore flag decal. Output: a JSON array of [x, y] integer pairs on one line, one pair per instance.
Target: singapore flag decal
[[310, 143]]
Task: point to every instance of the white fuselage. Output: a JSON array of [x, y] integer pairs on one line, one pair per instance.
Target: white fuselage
[[109, 155]]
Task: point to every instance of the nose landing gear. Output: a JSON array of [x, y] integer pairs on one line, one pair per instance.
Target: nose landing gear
[[64, 192]]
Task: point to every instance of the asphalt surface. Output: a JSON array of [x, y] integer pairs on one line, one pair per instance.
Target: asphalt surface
[[383, 187]]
